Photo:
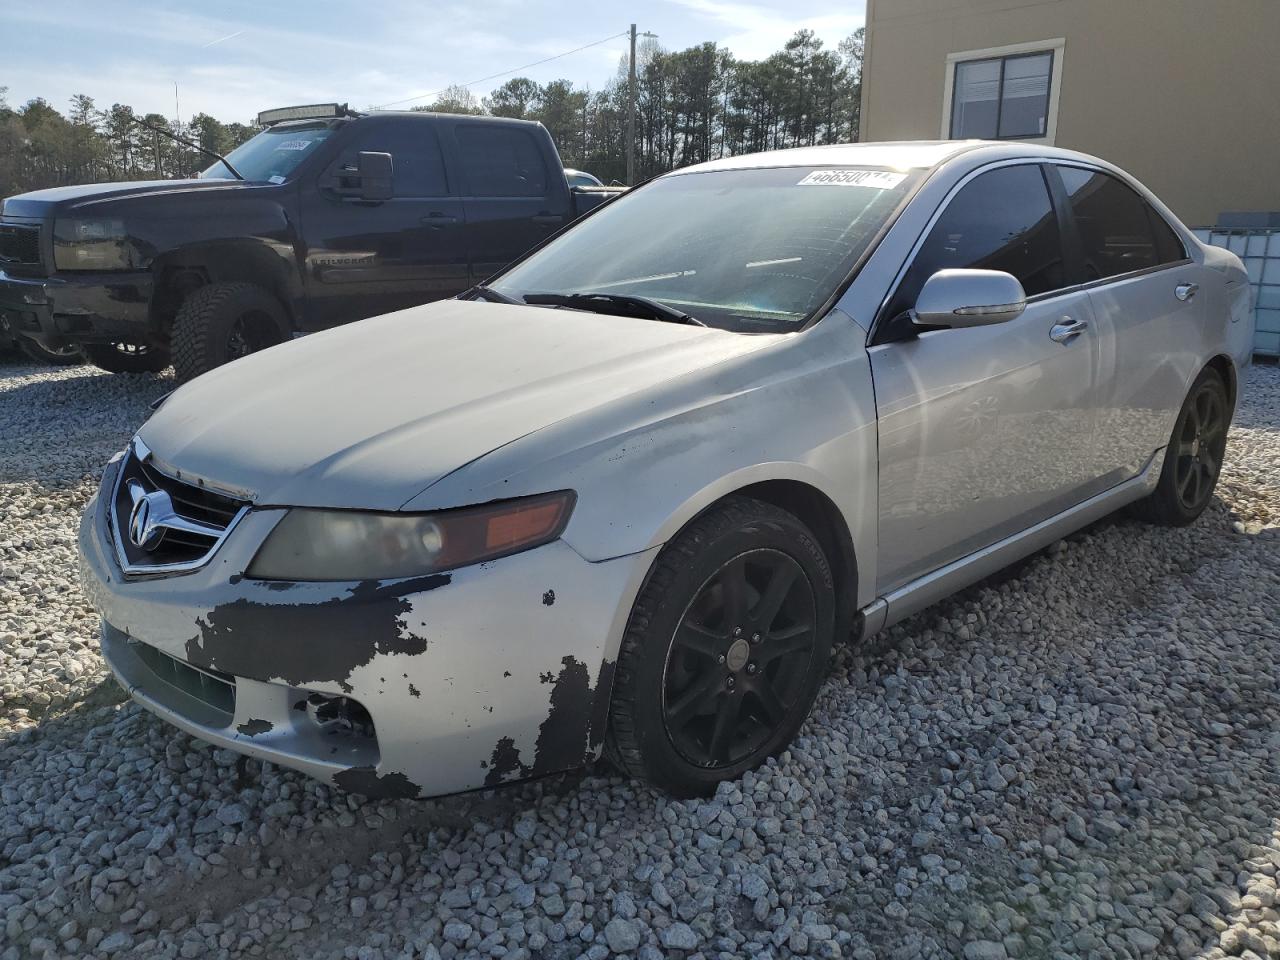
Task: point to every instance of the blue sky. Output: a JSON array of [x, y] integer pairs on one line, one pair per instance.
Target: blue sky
[[235, 57]]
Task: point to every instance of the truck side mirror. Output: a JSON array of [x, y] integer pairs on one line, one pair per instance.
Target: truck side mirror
[[376, 172]]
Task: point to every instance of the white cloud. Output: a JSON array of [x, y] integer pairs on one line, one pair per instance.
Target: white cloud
[[754, 31]]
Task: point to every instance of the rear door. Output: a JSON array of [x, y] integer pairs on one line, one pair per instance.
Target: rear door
[[514, 198], [1143, 289], [983, 431], [367, 258]]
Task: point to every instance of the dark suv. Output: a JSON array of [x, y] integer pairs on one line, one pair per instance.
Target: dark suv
[[325, 217]]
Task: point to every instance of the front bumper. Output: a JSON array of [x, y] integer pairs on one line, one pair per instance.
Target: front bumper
[[74, 308], [485, 675]]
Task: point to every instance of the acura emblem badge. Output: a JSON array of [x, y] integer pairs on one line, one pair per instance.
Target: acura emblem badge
[[149, 517]]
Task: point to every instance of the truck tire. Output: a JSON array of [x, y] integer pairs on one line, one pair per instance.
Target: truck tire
[[63, 357], [126, 357], [223, 322]]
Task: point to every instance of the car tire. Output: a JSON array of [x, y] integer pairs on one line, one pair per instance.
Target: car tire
[[223, 322], [1193, 459], [724, 651], [65, 357], [126, 357]]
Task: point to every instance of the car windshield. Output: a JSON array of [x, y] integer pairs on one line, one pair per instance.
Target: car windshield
[[746, 250], [271, 156]]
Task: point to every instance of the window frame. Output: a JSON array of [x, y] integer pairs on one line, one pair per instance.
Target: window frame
[[1076, 255], [880, 329], [1073, 248], [1056, 49], [331, 168]]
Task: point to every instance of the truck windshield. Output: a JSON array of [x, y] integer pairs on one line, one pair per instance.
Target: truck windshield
[[271, 156], [747, 250]]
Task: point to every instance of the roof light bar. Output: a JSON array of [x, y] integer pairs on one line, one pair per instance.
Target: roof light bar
[[311, 111]]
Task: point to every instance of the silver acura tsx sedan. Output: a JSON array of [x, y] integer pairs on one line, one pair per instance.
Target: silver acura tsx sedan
[[623, 498]]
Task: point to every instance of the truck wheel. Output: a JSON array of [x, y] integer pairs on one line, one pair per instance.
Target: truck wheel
[[726, 647], [126, 357], [62, 357], [223, 322]]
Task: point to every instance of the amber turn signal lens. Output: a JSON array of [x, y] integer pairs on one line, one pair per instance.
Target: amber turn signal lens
[[523, 525]]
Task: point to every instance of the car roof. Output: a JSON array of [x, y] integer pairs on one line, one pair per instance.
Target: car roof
[[896, 155]]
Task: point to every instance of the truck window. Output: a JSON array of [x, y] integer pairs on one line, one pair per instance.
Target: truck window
[[417, 164], [501, 161]]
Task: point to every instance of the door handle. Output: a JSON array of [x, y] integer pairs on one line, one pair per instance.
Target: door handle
[[548, 218], [1067, 330], [1185, 291], [439, 220]]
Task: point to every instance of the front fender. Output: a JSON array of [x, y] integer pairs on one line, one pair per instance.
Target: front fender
[[645, 465]]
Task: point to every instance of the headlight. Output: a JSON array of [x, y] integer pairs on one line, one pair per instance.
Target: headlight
[[93, 245], [350, 545]]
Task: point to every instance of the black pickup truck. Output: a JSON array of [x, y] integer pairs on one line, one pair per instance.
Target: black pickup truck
[[324, 217]]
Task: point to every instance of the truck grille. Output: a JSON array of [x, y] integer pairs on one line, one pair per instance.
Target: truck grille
[[163, 525], [19, 247]]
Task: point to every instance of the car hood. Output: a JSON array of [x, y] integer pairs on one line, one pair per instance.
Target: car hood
[[371, 414], [39, 203]]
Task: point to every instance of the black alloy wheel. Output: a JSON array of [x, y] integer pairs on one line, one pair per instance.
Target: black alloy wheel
[[1200, 440], [124, 357], [739, 659], [64, 356], [1193, 459], [726, 646], [252, 331]]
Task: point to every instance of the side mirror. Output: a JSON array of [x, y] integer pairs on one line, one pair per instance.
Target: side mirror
[[969, 298], [376, 171]]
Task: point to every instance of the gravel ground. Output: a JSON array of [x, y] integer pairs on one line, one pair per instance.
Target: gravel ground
[[1079, 758]]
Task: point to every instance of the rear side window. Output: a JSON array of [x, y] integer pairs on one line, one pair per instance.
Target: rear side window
[[1001, 220], [1119, 231], [417, 165], [501, 162]]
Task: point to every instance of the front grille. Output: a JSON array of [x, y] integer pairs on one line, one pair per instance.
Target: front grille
[[19, 246], [214, 689], [188, 522]]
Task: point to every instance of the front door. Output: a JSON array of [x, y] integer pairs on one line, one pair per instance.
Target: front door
[[988, 430], [368, 258]]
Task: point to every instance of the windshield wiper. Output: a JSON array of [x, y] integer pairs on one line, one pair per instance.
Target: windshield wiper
[[621, 304], [187, 143], [481, 292]]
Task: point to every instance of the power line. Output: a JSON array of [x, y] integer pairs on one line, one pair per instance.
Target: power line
[[505, 73]]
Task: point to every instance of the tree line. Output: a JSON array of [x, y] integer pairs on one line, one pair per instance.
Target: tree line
[[41, 147], [692, 105]]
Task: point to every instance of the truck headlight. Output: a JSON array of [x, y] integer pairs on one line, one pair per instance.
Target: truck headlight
[[93, 245], [317, 545]]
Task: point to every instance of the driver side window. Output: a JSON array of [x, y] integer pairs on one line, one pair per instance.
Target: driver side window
[[1000, 220]]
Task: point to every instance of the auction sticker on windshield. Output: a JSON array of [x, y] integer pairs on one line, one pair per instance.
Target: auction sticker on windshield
[[880, 179]]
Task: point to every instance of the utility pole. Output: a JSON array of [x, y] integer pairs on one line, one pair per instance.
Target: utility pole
[[631, 113], [631, 108]]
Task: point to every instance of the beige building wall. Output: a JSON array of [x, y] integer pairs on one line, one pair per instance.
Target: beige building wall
[[1183, 94]]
